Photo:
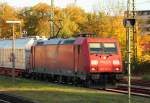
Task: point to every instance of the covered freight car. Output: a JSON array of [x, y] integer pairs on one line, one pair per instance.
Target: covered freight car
[[22, 53]]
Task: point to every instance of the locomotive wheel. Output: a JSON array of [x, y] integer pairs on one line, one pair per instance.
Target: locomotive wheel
[[89, 83], [75, 81]]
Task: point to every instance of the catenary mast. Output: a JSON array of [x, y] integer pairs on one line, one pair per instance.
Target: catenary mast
[[52, 19]]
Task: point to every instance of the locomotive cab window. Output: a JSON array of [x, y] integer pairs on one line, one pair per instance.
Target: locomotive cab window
[[110, 48], [102, 48], [95, 48]]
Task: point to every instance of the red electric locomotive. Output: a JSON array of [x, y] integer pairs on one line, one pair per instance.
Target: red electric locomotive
[[91, 61]]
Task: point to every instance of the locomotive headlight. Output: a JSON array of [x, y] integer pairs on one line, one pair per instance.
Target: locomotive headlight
[[93, 69], [116, 62], [117, 69], [94, 62]]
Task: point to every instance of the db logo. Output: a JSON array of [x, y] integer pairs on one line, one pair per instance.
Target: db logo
[[105, 62]]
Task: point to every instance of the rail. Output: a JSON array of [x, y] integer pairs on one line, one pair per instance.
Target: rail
[[135, 90]]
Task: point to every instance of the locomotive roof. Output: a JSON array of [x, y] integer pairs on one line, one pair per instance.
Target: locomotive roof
[[24, 43], [57, 41], [76, 41], [51, 41], [68, 41]]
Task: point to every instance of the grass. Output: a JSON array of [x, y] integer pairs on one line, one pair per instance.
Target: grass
[[146, 77], [51, 93]]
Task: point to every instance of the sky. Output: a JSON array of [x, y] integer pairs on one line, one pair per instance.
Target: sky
[[88, 5]]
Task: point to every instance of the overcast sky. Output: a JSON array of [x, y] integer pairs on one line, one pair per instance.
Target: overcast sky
[[88, 5]]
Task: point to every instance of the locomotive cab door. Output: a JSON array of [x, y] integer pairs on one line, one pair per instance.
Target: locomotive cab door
[[76, 58]]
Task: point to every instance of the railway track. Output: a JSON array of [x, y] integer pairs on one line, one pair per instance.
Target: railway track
[[4, 101], [135, 90], [141, 91], [121, 88], [7, 98]]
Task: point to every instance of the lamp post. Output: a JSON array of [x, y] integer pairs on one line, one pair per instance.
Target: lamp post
[[13, 47]]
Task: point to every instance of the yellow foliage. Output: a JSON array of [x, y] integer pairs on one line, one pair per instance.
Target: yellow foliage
[[74, 19], [75, 13], [42, 7], [8, 14], [139, 49], [145, 58]]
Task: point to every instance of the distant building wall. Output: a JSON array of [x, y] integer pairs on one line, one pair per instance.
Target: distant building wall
[[143, 19]]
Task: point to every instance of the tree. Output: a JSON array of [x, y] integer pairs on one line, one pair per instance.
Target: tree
[[73, 20], [36, 20], [69, 27], [8, 13]]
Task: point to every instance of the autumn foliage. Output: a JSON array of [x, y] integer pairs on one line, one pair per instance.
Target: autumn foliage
[[71, 20]]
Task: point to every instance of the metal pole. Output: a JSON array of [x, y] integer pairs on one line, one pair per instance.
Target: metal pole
[[52, 18], [13, 54], [13, 47], [20, 30], [129, 67], [75, 1], [134, 36], [1, 20], [129, 56]]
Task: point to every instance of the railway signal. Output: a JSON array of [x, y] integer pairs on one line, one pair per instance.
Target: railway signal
[[129, 24]]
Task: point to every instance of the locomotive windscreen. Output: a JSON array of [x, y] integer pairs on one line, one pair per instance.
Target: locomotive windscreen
[[103, 48]]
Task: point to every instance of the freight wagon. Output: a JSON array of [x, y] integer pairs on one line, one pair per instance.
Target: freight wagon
[[22, 53]]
